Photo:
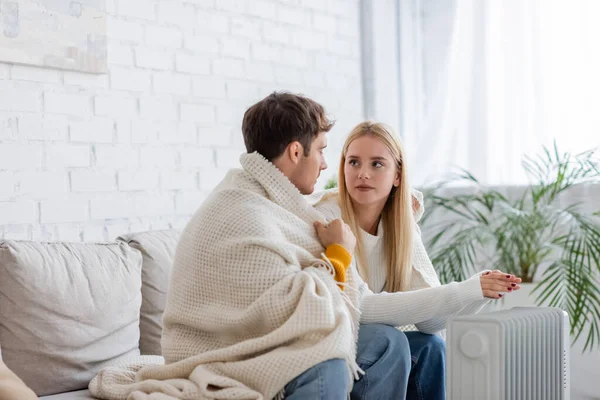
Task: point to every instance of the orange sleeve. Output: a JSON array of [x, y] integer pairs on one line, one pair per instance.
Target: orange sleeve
[[340, 259]]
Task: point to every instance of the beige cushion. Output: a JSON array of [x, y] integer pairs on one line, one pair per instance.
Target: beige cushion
[[77, 395], [158, 250], [67, 310]]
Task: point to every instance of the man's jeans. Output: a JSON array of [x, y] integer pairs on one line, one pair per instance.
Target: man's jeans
[[397, 365]]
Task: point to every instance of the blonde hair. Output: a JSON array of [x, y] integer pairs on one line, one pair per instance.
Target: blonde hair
[[397, 214]]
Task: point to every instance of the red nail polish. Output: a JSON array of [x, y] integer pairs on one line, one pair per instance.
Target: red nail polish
[[500, 295], [513, 284], [487, 273], [510, 289], [508, 276]]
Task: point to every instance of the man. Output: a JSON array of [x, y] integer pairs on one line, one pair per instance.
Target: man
[[261, 304], [277, 299]]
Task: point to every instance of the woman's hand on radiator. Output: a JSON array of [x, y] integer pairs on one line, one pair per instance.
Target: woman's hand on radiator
[[495, 283]]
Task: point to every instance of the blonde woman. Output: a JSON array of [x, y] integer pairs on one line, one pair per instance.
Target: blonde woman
[[375, 200]]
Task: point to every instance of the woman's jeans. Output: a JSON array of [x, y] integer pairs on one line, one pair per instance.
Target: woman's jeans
[[397, 365]]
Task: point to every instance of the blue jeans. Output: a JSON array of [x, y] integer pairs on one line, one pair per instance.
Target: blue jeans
[[397, 365]]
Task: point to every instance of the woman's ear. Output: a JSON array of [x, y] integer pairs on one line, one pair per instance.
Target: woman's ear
[[397, 180]]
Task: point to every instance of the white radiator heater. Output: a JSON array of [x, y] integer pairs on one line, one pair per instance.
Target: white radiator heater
[[517, 354]]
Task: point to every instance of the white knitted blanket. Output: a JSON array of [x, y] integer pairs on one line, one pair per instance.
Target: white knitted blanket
[[251, 303]]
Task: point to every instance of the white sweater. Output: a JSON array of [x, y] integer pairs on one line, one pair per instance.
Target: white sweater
[[428, 305]]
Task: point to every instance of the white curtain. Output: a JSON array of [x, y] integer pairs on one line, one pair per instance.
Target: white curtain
[[484, 82]]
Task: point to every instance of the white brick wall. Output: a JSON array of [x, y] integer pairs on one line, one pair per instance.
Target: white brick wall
[[22, 212], [26, 73], [57, 211], [75, 105], [93, 131], [61, 156], [42, 184], [115, 105], [15, 157], [90, 157], [138, 181], [93, 181], [7, 185]]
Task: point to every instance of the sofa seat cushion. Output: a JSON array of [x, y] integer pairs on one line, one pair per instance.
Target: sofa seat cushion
[[67, 310], [158, 249], [77, 395]]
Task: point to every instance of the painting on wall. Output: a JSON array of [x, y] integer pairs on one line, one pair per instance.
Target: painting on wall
[[61, 34]]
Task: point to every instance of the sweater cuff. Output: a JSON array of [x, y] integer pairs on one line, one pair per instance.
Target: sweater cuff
[[472, 289], [339, 253], [340, 259]]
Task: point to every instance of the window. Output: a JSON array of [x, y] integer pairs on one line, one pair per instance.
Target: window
[[484, 82]]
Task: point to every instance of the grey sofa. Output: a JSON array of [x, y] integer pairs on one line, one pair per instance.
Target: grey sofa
[[69, 309]]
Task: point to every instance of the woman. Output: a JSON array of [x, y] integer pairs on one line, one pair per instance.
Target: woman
[[374, 199]]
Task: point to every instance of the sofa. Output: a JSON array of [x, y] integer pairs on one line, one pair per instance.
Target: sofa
[[67, 310]]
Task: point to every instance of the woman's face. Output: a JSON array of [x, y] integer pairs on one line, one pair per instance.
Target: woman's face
[[370, 171]]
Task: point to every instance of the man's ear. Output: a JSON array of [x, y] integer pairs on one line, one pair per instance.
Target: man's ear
[[294, 151]]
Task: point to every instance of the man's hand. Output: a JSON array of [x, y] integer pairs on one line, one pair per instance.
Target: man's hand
[[337, 232]]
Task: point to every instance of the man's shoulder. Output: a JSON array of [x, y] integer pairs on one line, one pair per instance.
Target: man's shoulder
[[236, 203], [224, 220]]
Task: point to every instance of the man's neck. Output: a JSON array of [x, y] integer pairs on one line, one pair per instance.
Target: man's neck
[[368, 216]]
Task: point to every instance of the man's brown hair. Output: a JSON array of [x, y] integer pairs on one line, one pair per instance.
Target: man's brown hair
[[281, 118]]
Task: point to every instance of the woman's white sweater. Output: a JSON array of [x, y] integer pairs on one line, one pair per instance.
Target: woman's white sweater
[[427, 305]]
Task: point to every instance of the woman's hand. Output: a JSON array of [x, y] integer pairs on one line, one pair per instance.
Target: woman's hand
[[495, 283], [336, 232]]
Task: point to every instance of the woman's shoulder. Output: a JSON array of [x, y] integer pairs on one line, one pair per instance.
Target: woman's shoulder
[[418, 204], [327, 203]]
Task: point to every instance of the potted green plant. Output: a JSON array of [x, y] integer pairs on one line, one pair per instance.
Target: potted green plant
[[535, 236], [331, 183]]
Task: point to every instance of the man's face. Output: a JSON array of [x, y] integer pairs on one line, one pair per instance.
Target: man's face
[[309, 168]]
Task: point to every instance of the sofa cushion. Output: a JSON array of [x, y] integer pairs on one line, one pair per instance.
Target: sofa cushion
[[77, 395], [158, 250], [67, 310]]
